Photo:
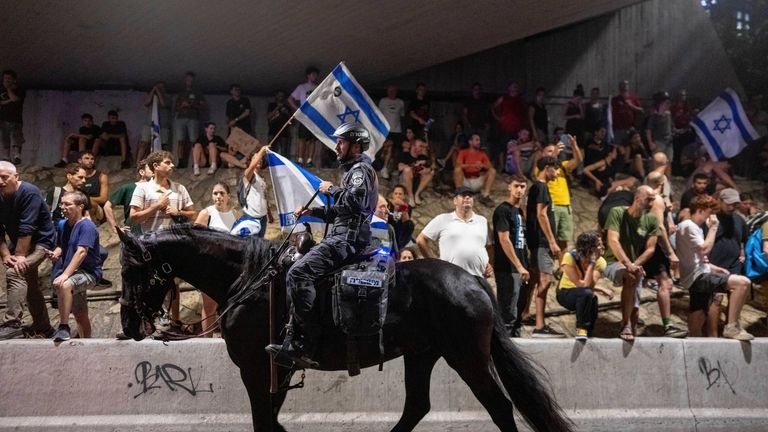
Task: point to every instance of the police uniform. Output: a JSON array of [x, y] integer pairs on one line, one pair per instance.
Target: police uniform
[[354, 202]]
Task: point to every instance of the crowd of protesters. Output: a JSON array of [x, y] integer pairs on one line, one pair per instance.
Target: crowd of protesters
[[646, 234]]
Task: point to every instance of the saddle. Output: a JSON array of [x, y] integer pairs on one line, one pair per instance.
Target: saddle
[[359, 295]]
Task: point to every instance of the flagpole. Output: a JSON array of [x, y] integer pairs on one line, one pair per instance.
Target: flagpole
[[287, 122]]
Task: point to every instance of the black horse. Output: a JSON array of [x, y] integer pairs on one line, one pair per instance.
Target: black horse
[[435, 310]]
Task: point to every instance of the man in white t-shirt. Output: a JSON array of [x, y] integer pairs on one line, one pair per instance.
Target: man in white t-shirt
[[393, 109], [299, 96], [156, 204], [702, 279], [462, 236]]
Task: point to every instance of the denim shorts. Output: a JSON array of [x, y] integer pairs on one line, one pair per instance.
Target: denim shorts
[[185, 129]]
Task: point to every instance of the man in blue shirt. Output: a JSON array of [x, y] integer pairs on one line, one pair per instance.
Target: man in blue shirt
[[78, 247], [26, 220]]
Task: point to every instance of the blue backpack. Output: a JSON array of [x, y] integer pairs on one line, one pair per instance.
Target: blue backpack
[[756, 263]]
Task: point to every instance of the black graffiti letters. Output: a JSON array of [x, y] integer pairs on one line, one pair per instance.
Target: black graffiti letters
[[715, 374], [167, 376]]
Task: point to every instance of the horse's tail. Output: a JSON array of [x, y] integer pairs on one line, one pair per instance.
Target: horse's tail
[[525, 384]]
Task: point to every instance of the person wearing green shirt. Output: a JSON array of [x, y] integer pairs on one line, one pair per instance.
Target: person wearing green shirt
[[122, 197], [632, 234]]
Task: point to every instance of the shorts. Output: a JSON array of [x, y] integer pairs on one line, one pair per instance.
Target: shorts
[[657, 264], [563, 223], [703, 290], [614, 272], [543, 261], [185, 129], [146, 134], [81, 282], [475, 184], [305, 133], [11, 132]]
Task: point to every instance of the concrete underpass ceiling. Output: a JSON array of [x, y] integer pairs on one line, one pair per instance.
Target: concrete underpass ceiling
[[264, 45]]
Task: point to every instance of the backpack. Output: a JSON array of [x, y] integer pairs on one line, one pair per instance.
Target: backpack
[[756, 261], [614, 199], [242, 192]]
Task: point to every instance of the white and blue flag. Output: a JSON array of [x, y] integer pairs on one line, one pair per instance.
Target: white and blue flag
[[723, 126], [340, 99], [156, 144], [293, 186]]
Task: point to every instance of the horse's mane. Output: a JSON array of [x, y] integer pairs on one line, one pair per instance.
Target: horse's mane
[[255, 256]]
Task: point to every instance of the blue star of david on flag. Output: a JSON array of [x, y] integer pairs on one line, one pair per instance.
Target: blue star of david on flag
[[338, 99], [722, 124], [349, 112]]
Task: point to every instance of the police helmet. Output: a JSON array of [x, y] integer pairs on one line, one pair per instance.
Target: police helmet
[[354, 133]]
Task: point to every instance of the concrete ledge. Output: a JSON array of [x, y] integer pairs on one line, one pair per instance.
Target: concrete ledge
[[604, 384]]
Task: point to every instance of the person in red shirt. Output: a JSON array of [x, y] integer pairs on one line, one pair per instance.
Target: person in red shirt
[[624, 109], [474, 170], [511, 113], [681, 111]]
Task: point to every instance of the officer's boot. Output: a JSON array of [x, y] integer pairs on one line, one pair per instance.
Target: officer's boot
[[298, 349]]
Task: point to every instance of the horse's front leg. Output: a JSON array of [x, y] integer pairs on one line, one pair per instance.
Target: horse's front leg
[[265, 407]]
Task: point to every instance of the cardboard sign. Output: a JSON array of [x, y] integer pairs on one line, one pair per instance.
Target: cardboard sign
[[242, 143]]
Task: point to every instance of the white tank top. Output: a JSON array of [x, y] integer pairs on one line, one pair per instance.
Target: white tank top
[[220, 221]]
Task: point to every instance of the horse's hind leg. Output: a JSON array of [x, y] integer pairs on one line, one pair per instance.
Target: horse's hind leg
[[475, 369], [418, 371]]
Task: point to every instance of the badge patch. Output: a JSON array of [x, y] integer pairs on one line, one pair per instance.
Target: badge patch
[[357, 179]]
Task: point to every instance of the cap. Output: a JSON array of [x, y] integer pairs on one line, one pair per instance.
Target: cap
[[463, 190], [730, 196], [660, 96]]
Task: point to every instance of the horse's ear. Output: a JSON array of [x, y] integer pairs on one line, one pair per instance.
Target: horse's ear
[[126, 237]]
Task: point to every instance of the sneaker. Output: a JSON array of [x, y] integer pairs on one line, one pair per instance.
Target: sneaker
[[196, 170], [212, 169], [734, 331], [581, 334], [546, 332], [62, 334], [675, 332], [653, 285], [531, 320], [121, 336], [11, 331], [60, 164], [309, 163], [106, 283]]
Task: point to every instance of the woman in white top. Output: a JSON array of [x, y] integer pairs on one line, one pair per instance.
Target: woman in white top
[[256, 213], [218, 216]]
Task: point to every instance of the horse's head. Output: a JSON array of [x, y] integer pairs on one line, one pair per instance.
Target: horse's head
[[145, 283]]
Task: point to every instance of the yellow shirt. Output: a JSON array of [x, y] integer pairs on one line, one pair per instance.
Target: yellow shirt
[[558, 188], [565, 282]]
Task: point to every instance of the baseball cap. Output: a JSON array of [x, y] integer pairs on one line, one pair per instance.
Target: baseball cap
[[463, 191], [730, 196]]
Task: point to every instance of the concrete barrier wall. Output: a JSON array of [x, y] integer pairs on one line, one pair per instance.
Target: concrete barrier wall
[[103, 385]]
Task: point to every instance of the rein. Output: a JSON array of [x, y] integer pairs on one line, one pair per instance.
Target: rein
[[263, 276]]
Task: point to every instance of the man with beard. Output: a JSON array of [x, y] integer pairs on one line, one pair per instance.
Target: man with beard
[[632, 235], [354, 202], [728, 250]]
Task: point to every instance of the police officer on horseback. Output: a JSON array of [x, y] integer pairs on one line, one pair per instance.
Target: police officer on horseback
[[353, 204]]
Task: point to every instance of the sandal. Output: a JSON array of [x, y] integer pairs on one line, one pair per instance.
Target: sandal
[[627, 334]]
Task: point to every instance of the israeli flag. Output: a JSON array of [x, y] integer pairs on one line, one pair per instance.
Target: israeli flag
[[340, 99], [380, 233], [293, 186], [609, 137], [723, 126], [156, 144]]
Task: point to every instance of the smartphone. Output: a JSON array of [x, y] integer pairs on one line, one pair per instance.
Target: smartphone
[[565, 140]]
